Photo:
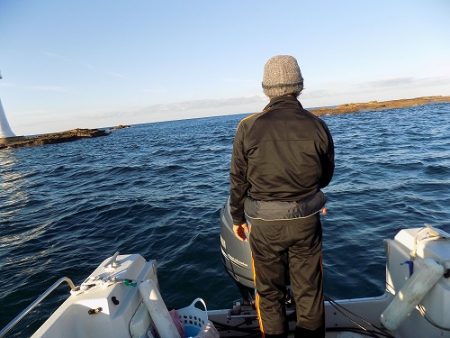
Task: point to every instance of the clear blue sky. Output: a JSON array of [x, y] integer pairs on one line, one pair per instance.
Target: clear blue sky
[[97, 63]]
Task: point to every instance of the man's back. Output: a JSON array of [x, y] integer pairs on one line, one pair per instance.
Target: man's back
[[286, 148]]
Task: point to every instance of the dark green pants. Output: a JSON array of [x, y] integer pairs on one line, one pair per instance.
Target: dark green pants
[[288, 248]]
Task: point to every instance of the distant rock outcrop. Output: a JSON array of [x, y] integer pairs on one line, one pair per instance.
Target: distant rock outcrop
[[65, 136], [376, 106], [120, 126]]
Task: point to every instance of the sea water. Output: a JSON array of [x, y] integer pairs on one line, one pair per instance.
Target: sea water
[[156, 189]]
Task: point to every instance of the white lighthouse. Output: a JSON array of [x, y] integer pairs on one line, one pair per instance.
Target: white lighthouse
[[5, 129]]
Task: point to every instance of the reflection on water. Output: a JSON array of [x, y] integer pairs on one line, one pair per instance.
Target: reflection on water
[[21, 237], [14, 195]]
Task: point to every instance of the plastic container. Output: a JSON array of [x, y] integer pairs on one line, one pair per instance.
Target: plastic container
[[193, 318]]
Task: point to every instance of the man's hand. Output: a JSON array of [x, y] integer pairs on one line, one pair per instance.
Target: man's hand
[[241, 231]]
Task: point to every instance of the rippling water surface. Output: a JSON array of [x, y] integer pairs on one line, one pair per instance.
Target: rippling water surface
[[156, 189]]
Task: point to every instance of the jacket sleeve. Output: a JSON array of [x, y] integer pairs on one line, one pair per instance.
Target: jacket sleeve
[[238, 177], [326, 157]]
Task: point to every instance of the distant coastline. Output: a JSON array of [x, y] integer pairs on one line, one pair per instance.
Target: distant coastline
[[36, 140], [379, 105], [76, 134]]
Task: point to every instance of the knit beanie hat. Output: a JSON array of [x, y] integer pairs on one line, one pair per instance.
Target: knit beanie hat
[[282, 76]]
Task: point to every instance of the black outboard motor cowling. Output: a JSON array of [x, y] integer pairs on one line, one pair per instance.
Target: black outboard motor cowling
[[236, 255]]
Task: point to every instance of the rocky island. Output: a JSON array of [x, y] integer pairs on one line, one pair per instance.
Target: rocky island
[[379, 105], [65, 136]]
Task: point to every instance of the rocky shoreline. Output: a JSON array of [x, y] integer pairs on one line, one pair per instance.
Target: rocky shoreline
[[377, 106], [65, 136]]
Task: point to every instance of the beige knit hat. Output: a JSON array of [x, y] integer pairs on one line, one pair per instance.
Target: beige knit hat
[[282, 76]]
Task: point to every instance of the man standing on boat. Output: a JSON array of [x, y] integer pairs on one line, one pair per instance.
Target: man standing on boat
[[281, 159]]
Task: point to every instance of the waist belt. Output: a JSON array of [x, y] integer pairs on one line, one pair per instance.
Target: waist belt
[[284, 210]]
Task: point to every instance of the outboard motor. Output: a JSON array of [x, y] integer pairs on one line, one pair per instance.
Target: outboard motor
[[236, 256]]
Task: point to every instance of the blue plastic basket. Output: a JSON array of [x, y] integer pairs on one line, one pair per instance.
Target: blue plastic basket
[[193, 318]]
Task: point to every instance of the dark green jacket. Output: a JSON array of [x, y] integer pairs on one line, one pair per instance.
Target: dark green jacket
[[284, 153]]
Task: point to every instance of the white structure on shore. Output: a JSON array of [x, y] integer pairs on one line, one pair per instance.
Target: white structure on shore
[[5, 129]]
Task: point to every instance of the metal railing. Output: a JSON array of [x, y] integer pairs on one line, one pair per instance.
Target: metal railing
[[30, 307]]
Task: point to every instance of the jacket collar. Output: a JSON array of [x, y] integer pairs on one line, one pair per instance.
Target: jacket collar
[[282, 99]]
